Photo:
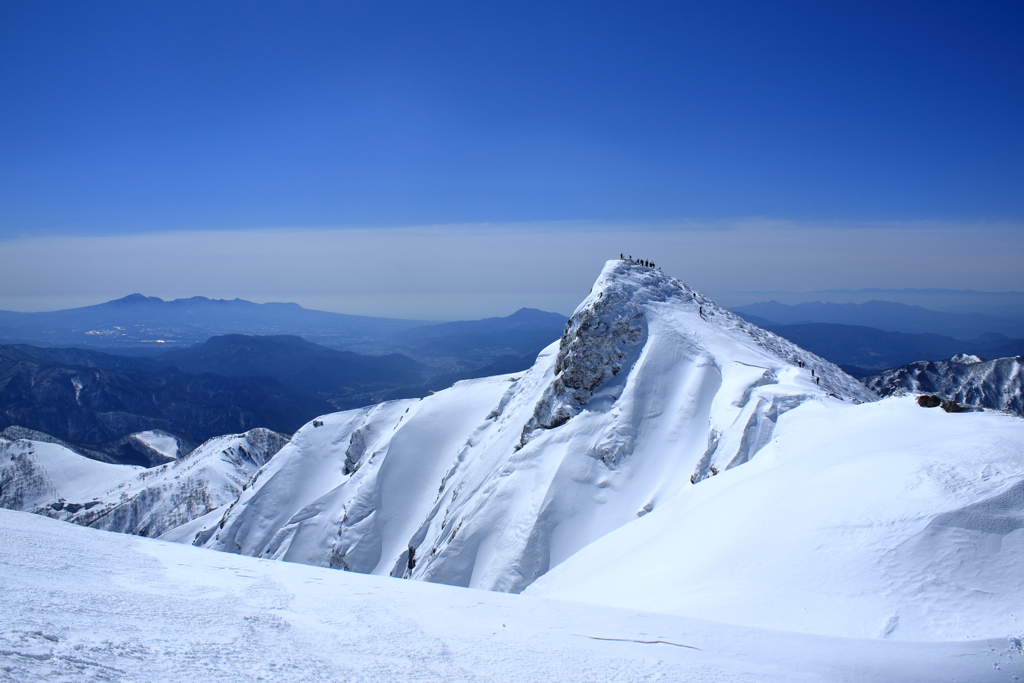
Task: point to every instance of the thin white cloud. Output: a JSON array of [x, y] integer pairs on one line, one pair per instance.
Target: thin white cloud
[[472, 271]]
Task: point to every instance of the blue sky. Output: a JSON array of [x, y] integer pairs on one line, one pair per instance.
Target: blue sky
[[151, 118]]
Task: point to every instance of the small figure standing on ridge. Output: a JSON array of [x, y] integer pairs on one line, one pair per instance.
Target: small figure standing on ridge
[[701, 312]]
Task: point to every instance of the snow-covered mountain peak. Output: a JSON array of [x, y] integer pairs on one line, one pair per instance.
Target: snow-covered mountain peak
[[627, 281], [605, 334], [651, 389], [615, 318]]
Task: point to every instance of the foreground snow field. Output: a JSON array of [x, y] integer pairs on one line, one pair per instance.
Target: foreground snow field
[[85, 605]]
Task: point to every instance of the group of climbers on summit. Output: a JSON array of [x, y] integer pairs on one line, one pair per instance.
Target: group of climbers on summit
[[639, 262], [650, 264]]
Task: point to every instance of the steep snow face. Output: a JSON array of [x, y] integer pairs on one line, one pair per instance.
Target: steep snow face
[[490, 483], [51, 480], [886, 520], [997, 384]]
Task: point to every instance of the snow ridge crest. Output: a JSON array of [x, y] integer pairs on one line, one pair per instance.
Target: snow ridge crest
[[609, 329]]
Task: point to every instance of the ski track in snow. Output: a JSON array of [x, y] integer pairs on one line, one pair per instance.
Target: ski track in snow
[[85, 605]]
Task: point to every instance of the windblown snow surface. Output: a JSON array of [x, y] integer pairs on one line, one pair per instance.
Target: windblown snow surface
[[664, 456], [86, 605]]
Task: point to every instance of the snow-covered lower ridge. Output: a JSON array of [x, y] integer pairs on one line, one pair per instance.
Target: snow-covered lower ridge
[[491, 483], [997, 384], [885, 520], [52, 480]]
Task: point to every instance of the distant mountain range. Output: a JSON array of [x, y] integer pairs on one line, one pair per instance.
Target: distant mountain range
[[863, 351], [144, 325], [526, 331], [228, 383], [864, 338], [96, 404], [141, 321], [996, 304], [886, 315], [477, 348], [140, 325], [95, 400], [343, 378]]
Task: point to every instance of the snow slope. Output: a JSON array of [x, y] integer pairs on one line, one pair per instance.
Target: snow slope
[[36, 474], [885, 520], [492, 482], [965, 379], [84, 605], [54, 481], [163, 443]]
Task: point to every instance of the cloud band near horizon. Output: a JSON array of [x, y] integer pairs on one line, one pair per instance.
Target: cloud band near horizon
[[474, 271]]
